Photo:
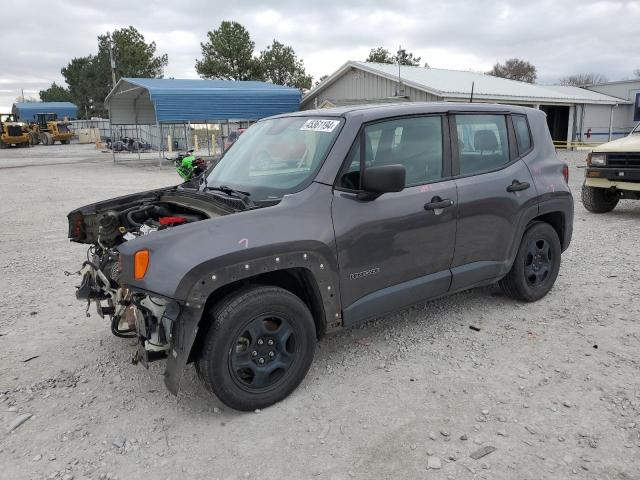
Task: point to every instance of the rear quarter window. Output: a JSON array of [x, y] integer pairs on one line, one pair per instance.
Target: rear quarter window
[[523, 134]]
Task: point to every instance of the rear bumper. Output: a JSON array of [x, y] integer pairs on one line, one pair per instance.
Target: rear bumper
[[606, 183]]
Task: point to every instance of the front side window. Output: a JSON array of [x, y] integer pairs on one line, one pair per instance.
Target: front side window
[[523, 137], [482, 143], [276, 157], [415, 143]]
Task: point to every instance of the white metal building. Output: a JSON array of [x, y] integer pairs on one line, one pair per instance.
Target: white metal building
[[569, 109], [625, 115]]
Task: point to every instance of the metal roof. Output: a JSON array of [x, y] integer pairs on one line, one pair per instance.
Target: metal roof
[[154, 100], [27, 111], [456, 85], [585, 93]]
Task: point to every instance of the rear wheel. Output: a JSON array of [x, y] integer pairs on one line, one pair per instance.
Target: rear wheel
[[598, 200], [259, 347], [536, 266]]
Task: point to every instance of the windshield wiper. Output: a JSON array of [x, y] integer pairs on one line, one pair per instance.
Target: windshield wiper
[[244, 196]]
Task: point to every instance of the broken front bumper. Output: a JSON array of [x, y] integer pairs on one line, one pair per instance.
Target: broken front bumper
[[183, 336]]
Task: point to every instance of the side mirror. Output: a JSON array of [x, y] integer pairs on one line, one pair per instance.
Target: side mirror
[[383, 179]]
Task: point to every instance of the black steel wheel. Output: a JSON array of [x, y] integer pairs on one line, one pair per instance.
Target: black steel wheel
[[258, 348], [263, 353], [538, 261], [536, 266]]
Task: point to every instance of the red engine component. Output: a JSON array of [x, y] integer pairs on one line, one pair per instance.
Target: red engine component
[[169, 221]]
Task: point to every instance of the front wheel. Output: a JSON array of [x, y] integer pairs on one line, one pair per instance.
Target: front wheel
[[537, 263], [258, 349], [598, 200]]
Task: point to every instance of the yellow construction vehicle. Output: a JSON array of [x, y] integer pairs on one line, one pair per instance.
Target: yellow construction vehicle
[[48, 130], [12, 132]]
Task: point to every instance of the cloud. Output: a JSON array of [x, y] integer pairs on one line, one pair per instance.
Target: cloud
[[560, 38]]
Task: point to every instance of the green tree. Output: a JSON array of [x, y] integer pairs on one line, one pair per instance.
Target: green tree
[[56, 93], [80, 76], [515, 69], [228, 54], [280, 65], [406, 58], [89, 78], [380, 55]]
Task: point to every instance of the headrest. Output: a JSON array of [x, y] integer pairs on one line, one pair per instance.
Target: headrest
[[485, 141]]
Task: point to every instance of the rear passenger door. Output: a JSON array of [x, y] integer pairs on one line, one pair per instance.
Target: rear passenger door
[[496, 194]]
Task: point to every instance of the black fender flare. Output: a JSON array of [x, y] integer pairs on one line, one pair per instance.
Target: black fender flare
[[209, 277]]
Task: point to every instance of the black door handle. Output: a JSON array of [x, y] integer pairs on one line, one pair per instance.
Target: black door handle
[[437, 203], [517, 186]]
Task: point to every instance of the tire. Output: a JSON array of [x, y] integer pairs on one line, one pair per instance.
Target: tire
[[598, 200], [33, 138], [49, 137], [238, 363], [65, 142], [537, 263]]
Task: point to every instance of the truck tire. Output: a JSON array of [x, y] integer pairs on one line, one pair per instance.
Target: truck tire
[[537, 263], [49, 137], [33, 138], [598, 200], [259, 347]]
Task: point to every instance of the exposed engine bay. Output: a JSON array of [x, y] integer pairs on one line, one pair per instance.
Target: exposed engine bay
[[105, 226]]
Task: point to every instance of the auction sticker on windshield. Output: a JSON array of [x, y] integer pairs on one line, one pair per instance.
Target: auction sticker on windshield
[[319, 125]]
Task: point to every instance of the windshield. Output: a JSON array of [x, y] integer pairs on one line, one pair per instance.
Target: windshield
[[276, 157]]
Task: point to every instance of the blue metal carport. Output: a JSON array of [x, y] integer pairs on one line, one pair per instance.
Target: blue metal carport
[[136, 101], [27, 111]]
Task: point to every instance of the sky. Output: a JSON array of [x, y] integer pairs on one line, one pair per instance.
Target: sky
[[559, 37]]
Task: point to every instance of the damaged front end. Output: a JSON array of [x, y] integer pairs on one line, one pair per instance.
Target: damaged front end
[[105, 226]]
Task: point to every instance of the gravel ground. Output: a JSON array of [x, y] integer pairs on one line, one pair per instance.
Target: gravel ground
[[553, 386]]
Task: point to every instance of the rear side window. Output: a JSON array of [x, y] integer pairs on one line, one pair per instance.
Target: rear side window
[[482, 142], [523, 136]]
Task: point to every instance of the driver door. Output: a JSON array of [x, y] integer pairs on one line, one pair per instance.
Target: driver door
[[396, 250]]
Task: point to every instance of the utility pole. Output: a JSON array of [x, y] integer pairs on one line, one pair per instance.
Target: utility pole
[[112, 61], [399, 79]]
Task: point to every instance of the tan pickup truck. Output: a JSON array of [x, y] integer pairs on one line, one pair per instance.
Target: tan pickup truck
[[613, 173]]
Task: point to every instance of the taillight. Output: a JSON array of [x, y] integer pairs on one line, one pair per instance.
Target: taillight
[[565, 173], [140, 264]]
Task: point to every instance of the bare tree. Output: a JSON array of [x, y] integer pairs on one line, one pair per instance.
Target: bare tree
[[515, 69], [583, 79], [636, 72]]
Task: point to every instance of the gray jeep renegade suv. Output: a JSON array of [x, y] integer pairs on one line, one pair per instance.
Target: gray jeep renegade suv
[[319, 220]]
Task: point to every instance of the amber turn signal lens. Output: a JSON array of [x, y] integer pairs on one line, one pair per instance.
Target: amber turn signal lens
[[140, 264]]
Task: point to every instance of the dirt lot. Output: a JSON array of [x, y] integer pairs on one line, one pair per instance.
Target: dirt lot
[[554, 386]]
